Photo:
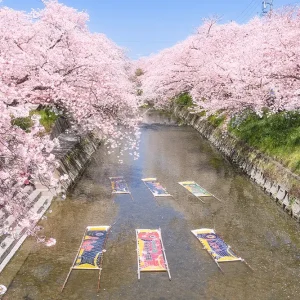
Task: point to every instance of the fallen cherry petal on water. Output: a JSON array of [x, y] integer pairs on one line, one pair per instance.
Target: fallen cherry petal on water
[[50, 242]]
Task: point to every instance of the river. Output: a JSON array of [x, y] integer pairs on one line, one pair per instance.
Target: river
[[247, 219]]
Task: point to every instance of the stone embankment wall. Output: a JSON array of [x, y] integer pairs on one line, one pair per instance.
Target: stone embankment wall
[[276, 180], [73, 154], [74, 151]]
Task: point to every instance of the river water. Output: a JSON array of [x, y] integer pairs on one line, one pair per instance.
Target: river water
[[247, 219]]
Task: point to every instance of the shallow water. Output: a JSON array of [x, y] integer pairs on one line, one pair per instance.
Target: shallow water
[[247, 219]]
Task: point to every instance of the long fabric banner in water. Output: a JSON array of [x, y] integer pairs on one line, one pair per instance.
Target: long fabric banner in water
[[155, 187], [150, 250], [91, 249], [195, 188], [119, 185], [215, 245]]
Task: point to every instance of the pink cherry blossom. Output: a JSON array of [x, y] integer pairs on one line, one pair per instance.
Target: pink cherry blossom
[[230, 66], [48, 57]]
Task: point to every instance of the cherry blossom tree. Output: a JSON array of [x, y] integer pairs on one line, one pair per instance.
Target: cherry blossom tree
[[48, 57], [230, 66]]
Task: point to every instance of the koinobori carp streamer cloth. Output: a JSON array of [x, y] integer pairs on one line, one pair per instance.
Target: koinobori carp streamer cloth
[[195, 189], [119, 185], [91, 249], [215, 245], [155, 187], [150, 251]]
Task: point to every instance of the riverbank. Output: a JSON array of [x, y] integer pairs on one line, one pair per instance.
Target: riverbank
[[276, 180], [73, 154], [247, 219]]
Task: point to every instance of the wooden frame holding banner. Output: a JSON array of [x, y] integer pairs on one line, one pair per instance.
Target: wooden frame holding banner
[[216, 247], [119, 186], [198, 191], [155, 187], [151, 256], [90, 252]]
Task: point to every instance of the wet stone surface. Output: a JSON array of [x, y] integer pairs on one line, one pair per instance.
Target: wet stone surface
[[247, 219]]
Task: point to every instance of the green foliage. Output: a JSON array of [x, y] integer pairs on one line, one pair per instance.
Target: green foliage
[[202, 113], [139, 72], [48, 118], [216, 120], [184, 100], [277, 135], [292, 201], [24, 123]]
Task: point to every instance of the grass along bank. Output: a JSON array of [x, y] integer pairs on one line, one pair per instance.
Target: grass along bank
[[47, 120], [276, 135]]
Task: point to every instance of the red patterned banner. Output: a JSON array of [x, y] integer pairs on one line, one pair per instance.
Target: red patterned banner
[[150, 250]]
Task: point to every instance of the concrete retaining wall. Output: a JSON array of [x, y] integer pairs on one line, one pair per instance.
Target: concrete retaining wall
[[276, 180]]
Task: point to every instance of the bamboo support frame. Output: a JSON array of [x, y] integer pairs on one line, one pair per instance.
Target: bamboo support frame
[[211, 195], [126, 187], [219, 267], [165, 195], [241, 259], [129, 192], [199, 199], [216, 197], [98, 288], [244, 261], [217, 263], [73, 262], [165, 257], [163, 250], [101, 261], [137, 252], [238, 258]]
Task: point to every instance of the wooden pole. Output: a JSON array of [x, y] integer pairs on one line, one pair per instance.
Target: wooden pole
[[169, 195], [219, 266], [131, 196], [137, 252], [73, 262], [200, 199], [216, 197], [100, 269], [210, 255], [214, 260], [168, 270], [149, 188], [243, 260], [101, 261], [129, 191], [67, 278], [247, 265]]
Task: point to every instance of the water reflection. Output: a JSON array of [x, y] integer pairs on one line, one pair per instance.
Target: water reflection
[[247, 219]]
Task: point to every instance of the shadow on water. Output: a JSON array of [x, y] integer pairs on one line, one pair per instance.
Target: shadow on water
[[247, 219]]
